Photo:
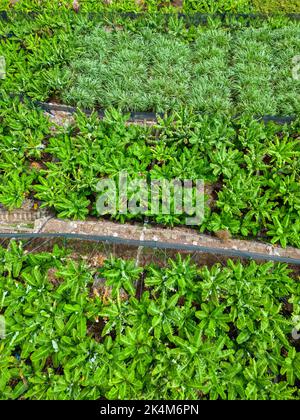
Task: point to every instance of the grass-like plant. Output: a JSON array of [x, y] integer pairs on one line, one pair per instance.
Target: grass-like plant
[[263, 65], [152, 64], [150, 71], [249, 71], [255, 167], [223, 332]]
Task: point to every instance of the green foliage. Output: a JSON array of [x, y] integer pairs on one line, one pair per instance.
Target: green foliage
[[35, 51], [187, 6], [253, 167], [153, 72], [149, 71], [208, 333], [275, 6], [217, 6], [152, 63]]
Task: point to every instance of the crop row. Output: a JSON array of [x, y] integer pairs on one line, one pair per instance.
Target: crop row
[[141, 69], [252, 169], [250, 71], [186, 6], [76, 332]]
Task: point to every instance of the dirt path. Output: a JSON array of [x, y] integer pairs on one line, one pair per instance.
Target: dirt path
[[137, 235]]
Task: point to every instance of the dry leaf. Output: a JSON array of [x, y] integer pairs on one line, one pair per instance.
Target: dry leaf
[[76, 6]]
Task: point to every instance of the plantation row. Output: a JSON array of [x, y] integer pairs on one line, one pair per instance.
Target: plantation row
[[252, 168], [186, 6], [74, 332], [140, 66]]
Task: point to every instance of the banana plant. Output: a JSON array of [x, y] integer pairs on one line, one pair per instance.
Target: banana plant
[[220, 332], [279, 229], [120, 274], [15, 189], [291, 366]]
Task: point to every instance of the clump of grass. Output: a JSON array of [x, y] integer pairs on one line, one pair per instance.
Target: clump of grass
[[150, 71], [252, 74], [273, 6], [250, 71], [211, 74], [263, 80], [286, 46]]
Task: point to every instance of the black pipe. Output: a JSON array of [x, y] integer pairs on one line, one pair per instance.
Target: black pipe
[[154, 245]]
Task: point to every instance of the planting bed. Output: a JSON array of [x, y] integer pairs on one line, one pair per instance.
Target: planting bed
[[251, 170], [152, 72], [113, 317], [186, 6], [144, 69], [93, 336], [143, 237]]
